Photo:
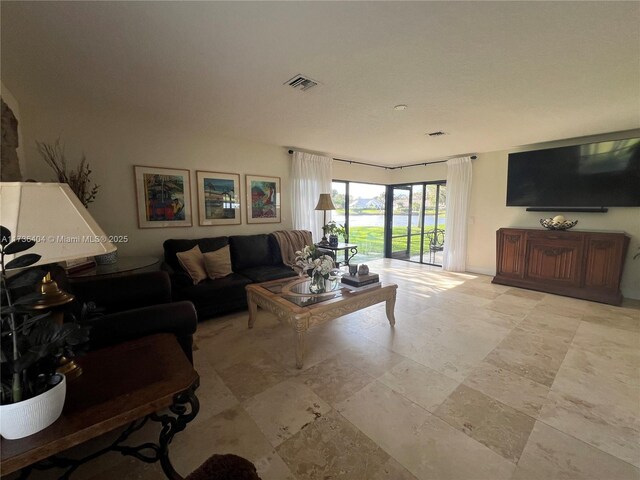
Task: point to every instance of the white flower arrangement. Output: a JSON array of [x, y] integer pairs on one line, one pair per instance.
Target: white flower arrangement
[[312, 262]]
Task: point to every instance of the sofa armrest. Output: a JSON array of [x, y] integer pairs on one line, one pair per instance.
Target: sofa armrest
[[116, 294], [179, 318], [179, 278]]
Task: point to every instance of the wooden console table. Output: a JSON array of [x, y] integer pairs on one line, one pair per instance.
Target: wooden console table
[[579, 264], [125, 384]]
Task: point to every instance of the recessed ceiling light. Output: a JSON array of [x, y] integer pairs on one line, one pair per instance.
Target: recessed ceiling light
[[400, 107]]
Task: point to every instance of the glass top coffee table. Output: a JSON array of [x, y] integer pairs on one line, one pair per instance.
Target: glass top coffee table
[[290, 301]]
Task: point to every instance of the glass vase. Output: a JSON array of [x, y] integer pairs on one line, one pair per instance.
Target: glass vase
[[317, 284]]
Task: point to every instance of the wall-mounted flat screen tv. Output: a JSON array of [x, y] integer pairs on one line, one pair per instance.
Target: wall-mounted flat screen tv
[[603, 174]]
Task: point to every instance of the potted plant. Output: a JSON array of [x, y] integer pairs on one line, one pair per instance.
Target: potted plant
[[78, 179], [334, 230], [32, 393]]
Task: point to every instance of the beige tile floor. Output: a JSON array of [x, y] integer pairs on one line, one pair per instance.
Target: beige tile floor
[[476, 381]]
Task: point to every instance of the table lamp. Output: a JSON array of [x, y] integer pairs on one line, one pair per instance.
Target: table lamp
[[324, 203], [51, 215]]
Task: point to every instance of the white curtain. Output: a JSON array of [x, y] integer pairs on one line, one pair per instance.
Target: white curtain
[[459, 175], [311, 175]]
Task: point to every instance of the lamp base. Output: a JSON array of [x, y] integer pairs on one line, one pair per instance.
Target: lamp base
[[69, 368], [51, 294], [324, 241]]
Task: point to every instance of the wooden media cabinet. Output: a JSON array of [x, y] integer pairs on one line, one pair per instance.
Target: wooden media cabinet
[[579, 264]]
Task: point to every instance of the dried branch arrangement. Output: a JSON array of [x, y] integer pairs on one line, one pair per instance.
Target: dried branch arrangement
[[77, 179]]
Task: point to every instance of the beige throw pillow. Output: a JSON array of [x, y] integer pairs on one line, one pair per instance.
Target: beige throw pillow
[[193, 262], [218, 263]]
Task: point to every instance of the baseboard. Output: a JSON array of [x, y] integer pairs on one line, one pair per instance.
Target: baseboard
[[633, 293], [481, 270]]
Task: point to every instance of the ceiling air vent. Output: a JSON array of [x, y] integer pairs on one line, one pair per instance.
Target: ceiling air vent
[[439, 133], [301, 82]]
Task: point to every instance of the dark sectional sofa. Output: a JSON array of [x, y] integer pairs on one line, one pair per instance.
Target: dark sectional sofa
[[254, 258]]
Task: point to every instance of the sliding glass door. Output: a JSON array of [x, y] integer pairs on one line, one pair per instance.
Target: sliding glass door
[[417, 215], [398, 221], [405, 224], [434, 231]]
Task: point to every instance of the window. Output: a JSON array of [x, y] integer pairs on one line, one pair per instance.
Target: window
[[360, 207]]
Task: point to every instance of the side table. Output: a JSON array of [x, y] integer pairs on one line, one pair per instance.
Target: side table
[[126, 384], [350, 249], [124, 266]]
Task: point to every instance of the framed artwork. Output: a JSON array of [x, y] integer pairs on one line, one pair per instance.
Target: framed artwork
[[218, 198], [263, 199], [163, 197]]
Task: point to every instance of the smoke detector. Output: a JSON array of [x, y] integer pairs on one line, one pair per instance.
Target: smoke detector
[[301, 82], [439, 133]]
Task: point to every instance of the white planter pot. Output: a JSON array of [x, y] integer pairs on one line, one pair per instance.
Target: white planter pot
[[25, 418]]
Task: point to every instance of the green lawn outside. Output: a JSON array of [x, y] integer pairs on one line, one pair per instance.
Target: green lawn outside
[[370, 241]]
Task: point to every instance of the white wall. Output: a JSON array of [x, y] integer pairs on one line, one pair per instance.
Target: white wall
[[113, 144], [426, 173], [488, 213], [362, 173]]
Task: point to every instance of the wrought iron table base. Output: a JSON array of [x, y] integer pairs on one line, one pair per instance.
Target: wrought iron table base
[[349, 253], [185, 407], [352, 251]]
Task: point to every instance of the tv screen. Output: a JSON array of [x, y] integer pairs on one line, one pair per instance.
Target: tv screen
[[603, 174]]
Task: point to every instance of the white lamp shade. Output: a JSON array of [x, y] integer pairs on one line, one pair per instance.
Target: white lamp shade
[[53, 216]]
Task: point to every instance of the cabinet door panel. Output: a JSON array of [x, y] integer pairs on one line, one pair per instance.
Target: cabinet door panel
[[603, 262], [511, 248], [554, 261]]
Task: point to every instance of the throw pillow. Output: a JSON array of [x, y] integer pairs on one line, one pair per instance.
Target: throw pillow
[[193, 263], [218, 263]]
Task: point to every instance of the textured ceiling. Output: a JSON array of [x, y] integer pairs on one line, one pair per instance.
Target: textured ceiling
[[491, 74]]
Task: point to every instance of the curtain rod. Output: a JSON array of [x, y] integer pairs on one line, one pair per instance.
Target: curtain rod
[[421, 164]]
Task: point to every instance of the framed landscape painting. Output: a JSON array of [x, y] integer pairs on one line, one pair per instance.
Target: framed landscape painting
[[218, 198], [263, 199], [163, 197]]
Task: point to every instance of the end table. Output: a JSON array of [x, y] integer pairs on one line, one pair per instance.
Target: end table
[[350, 249]]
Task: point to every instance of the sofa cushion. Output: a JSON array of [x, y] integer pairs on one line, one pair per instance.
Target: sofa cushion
[[173, 246], [251, 251], [192, 261], [267, 272], [218, 263]]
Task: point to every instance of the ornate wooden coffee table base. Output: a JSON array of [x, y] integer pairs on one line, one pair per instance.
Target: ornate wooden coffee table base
[[301, 318]]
